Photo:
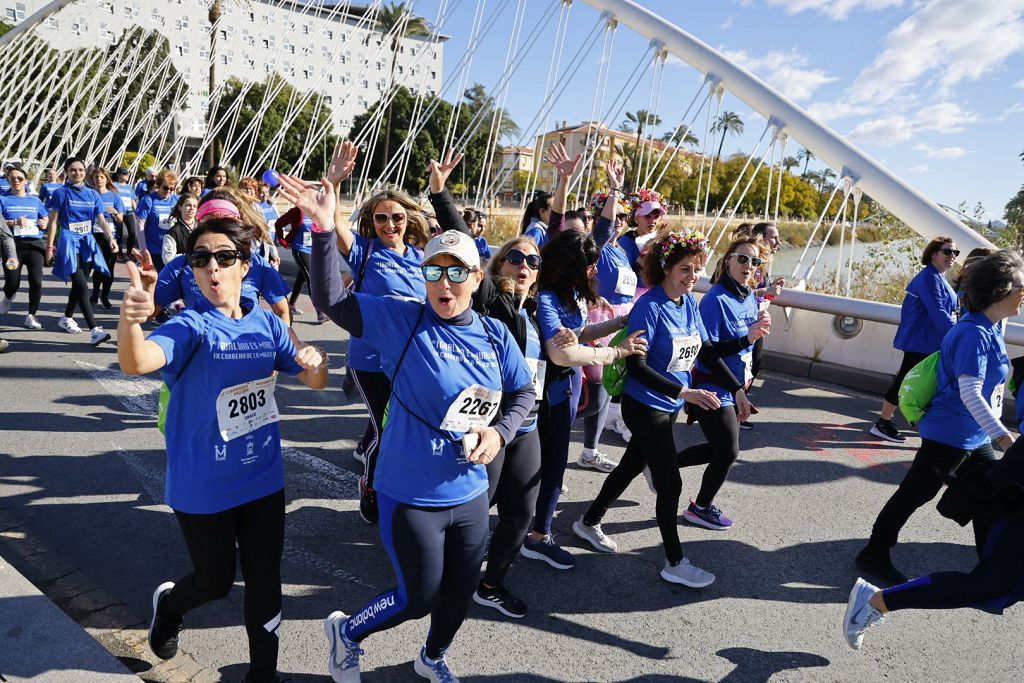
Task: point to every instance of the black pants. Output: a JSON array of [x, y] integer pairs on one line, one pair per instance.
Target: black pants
[[79, 296], [301, 277], [922, 482], [101, 283], [258, 528], [757, 357], [375, 388], [555, 425], [513, 481], [652, 445], [436, 553], [129, 230], [910, 359], [722, 431], [32, 257]]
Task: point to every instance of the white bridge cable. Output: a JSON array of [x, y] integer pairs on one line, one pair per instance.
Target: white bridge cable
[[736, 183], [644, 126], [603, 70], [143, 111], [814, 232], [103, 148], [112, 102], [857, 194], [474, 42], [842, 245], [709, 81], [771, 171], [847, 186], [782, 172], [676, 134], [99, 149], [720, 92], [750, 182], [29, 67], [38, 100], [145, 123], [163, 130]]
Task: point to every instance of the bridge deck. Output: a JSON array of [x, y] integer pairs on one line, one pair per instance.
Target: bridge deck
[[81, 515]]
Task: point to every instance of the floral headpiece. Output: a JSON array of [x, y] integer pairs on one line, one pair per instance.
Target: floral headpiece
[[642, 195], [679, 239], [597, 203]]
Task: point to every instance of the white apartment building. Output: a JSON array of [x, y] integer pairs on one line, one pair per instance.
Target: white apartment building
[[311, 43]]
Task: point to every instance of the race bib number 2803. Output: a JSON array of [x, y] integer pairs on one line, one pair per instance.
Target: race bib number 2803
[[245, 407]]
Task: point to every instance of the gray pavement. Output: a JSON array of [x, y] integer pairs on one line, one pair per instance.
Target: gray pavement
[[82, 517]]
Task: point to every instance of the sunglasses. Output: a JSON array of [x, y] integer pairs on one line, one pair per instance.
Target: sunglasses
[[384, 219], [655, 215], [621, 216], [947, 251], [167, 187], [742, 259], [200, 259], [435, 230], [455, 274], [516, 257]]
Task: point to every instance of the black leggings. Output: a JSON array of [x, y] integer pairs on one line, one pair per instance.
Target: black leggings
[[910, 359], [33, 257], [301, 277], [513, 481], [375, 388], [79, 295], [922, 482], [101, 283], [652, 445], [436, 553], [722, 431], [258, 528], [129, 231], [555, 426]]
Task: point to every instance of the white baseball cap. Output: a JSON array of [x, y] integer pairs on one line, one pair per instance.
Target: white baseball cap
[[454, 243]]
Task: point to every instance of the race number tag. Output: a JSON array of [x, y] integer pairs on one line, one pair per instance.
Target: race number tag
[[307, 239], [997, 399], [80, 227], [684, 353], [539, 369], [625, 282], [31, 230], [748, 367], [246, 407], [476, 406]]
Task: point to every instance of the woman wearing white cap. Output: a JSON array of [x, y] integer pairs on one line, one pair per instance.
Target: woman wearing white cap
[[450, 372]]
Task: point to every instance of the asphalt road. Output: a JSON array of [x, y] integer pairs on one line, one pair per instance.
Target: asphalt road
[[82, 516]]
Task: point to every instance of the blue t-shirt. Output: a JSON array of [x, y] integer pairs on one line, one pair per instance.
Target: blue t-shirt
[[207, 353], [482, 248], [46, 190], [423, 465], [5, 185], [552, 315], [141, 189], [537, 230], [387, 273], [674, 334], [127, 196], [29, 207], [616, 279], [533, 353], [270, 214], [77, 208], [974, 347], [628, 244], [302, 237], [154, 214], [725, 317], [177, 281], [111, 201]]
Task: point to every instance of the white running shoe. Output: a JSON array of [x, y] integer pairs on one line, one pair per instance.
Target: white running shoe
[[5, 305], [343, 661], [68, 325], [860, 613], [359, 455], [434, 670], [600, 462], [31, 323], [619, 426], [687, 574], [594, 536], [650, 479], [97, 336]]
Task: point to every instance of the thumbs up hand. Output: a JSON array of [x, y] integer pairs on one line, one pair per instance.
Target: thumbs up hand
[[137, 305]]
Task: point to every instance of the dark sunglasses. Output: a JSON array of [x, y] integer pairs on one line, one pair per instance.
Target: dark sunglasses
[[455, 274], [742, 259], [621, 216], [200, 259], [167, 187], [947, 251], [516, 257], [384, 219]]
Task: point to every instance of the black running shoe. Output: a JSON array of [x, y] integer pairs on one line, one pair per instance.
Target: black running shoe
[[368, 503], [105, 302], [885, 429], [501, 600], [875, 560], [163, 633]]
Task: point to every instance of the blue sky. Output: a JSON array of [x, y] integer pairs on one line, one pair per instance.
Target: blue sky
[[933, 89]]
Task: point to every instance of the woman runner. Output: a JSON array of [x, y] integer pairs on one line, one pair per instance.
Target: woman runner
[[154, 210], [101, 181], [25, 219]]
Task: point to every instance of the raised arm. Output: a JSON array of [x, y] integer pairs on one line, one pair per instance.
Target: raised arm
[[440, 198], [136, 354], [604, 226], [566, 167], [343, 162]]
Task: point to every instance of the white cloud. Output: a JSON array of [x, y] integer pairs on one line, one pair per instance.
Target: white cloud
[[1017, 108], [945, 117], [829, 111], [785, 71], [728, 23], [941, 152], [1019, 84], [920, 168], [836, 9]]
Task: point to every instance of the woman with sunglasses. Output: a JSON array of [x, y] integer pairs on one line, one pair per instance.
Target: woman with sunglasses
[[451, 371], [645, 218], [657, 386], [25, 218], [154, 212], [295, 229], [733, 322], [225, 474], [177, 281], [77, 208], [928, 313], [964, 419], [100, 180]]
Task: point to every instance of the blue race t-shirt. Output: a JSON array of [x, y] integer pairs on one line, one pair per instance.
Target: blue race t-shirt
[[270, 215], [482, 248], [111, 204], [616, 278], [28, 207], [726, 317], [214, 460], [552, 315], [177, 281], [154, 214], [77, 208], [627, 243], [674, 334], [425, 465], [387, 273], [46, 190], [141, 189], [974, 347], [127, 196], [302, 237], [533, 354], [537, 230]]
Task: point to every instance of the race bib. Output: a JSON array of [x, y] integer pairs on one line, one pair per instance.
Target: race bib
[[748, 368], [997, 399], [246, 407], [31, 230], [476, 406], [307, 239], [684, 353], [625, 282], [539, 369], [80, 227]]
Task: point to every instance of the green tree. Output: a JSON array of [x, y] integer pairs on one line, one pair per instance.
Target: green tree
[[399, 21], [789, 163], [805, 155], [680, 137], [639, 121], [1014, 214], [728, 123], [477, 100]]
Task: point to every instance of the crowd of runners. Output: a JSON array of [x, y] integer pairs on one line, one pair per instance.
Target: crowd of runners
[[474, 363]]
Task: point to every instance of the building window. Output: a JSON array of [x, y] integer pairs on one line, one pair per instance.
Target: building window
[[307, 74], [16, 13], [289, 48], [182, 23], [156, 17], [183, 48], [328, 34], [305, 29], [328, 99], [365, 83], [53, 23], [249, 63]]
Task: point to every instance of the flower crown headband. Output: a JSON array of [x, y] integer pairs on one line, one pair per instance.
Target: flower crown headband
[[640, 196], [679, 239], [597, 203]]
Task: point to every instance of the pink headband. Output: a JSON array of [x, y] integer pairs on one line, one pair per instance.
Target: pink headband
[[217, 206]]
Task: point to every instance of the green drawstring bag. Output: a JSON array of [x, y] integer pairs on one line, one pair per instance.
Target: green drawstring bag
[[614, 378], [918, 388], [165, 392]]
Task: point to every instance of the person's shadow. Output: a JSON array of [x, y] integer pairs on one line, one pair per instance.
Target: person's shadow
[[753, 666]]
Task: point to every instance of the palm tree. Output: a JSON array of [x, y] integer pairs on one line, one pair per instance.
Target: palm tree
[[478, 100], [805, 155], [640, 120], [790, 163], [729, 123], [680, 137], [388, 18]]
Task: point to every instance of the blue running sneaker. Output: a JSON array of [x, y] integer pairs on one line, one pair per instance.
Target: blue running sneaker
[[709, 518], [435, 670], [860, 615], [343, 663], [547, 551]]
